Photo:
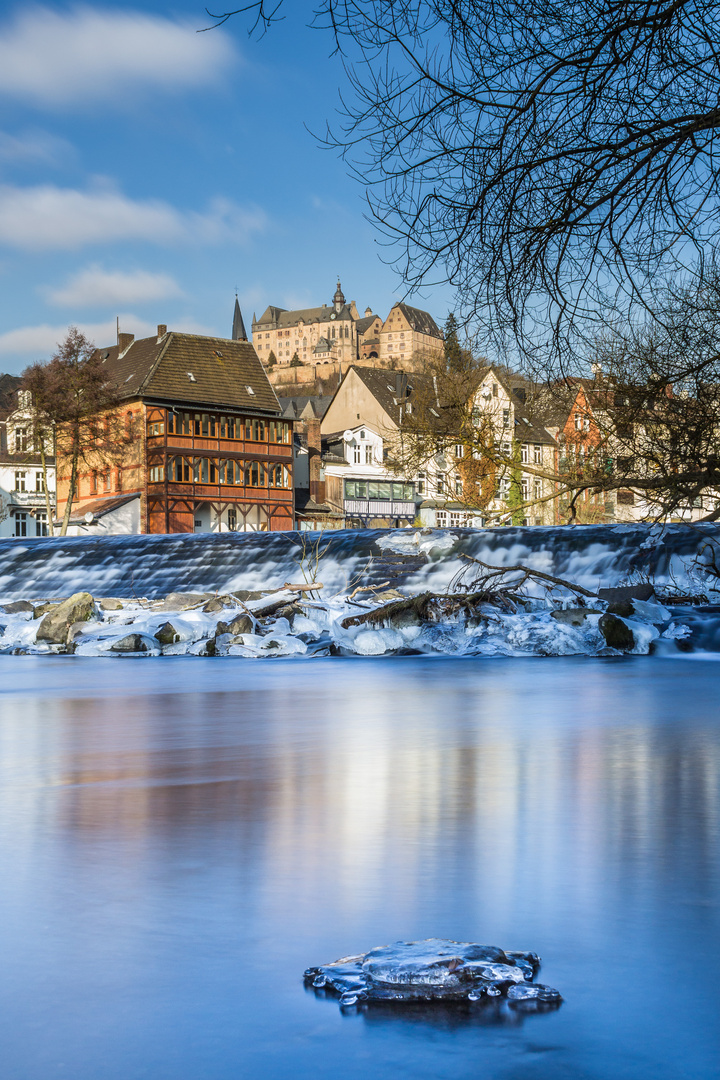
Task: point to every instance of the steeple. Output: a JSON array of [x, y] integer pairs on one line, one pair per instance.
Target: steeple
[[338, 298], [238, 330]]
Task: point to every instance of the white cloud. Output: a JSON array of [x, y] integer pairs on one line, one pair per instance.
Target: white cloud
[[86, 55], [47, 217], [96, 287], [34, 148], [41, 341]]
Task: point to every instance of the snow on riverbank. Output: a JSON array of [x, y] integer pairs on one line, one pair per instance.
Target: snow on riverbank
[[291, 623]]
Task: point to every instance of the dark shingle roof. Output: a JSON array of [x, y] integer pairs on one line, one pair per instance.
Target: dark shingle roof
[[279, 317], [388, 387], [222, 371], [420, 320], [294, 407]]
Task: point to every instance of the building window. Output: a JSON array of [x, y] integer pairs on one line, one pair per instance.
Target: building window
[[41, 523], [441, 519], [494, 389], [21, 524], [39, 483], [368, 454], [506, 417], [421, 481], [458, 486], [578, 422], [626, 498], [106, 480], [20, 486], [157, 474], [524, 454], [525, 488], [232, 519], [118, 479], [440, 483], [21, 440], [459, 450], [356, 455], [157, 427], [538, 489], [537, 455]]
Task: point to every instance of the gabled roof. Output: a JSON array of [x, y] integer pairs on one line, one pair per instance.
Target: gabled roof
[[225, 374], [280, 318], [99, 507], [295, 407], [420, 321], [388, 387], [364, 324]]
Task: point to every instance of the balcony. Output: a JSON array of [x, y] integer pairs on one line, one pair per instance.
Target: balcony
[[375, 508]]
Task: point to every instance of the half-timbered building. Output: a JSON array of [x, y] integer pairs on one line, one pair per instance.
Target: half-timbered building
[[202, 445]]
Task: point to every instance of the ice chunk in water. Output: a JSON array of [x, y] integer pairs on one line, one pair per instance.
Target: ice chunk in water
[[432, 969]]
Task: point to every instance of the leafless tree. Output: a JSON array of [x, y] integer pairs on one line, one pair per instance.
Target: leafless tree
[[72, 397]]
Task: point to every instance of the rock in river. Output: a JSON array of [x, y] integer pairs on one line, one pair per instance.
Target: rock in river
[[80, 607], [434, 969]]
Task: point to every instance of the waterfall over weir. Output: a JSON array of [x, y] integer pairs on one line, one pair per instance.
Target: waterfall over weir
[[594, 556]]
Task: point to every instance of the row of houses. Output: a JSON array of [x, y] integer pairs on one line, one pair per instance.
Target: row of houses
[[207, 446]]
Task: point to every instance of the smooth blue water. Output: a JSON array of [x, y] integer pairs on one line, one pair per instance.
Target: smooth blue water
[[180, 839]]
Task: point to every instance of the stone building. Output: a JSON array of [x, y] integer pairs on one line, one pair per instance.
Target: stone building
[[316, 334]]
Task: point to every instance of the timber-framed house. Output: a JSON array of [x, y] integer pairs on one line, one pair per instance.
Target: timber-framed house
[[204, 447]]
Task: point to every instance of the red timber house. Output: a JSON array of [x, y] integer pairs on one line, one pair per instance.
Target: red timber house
[[204, 449]]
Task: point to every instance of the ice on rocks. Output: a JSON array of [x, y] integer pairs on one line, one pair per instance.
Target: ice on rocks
[[433, 969]]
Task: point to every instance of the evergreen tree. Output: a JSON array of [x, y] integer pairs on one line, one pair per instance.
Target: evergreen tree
[[272, 359], [296, 361], [454, 359]]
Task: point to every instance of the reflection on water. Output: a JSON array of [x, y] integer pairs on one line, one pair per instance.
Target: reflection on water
[[180, 841]]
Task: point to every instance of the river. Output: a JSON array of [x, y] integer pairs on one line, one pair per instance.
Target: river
[[180, 839]]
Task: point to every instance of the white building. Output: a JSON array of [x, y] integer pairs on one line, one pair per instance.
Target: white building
[[23, 502]]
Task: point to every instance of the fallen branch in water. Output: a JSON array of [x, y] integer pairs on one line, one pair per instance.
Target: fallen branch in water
[[488, 581]]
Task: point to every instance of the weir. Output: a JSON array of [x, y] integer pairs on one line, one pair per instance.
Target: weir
[[593, 556]]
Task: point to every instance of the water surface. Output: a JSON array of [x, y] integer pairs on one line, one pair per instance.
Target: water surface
[[180, 839]]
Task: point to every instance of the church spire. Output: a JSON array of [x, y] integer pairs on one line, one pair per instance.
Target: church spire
[[238, 331], [338, 298]]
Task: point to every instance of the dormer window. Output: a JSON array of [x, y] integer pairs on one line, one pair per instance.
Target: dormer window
[[191, 377], [250, 390]]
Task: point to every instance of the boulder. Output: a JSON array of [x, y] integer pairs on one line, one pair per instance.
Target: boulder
[[624, 608], [179, 601], [167, 634], [241, 624], [75, 631], [573, 616], [617, 633], [17, 607], [80, 607], [626, 592], [218, 603], [133, 643], [109, 603], [42, 609]]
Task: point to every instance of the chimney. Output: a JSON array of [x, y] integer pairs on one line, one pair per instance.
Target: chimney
[[162, 330], [124, 342], [317, 486]]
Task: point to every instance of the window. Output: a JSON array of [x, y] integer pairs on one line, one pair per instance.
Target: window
[[525, 489], [440, 483], [368, 454], [538, 489], [459, 450], [21, 524], [506, 417], [578, 422], [93, 482], [118, 479], [106, 479], [20, 484], [21, 440], [422, 480], [441, 519], [503, 490], [458, 486], [157, 427], [626, 498], [537, 455], [494, 389], [41, 523], [379, 490], [506, 449], [157, 474], [39, 483], [456, 519], [524, 454], [586, 423], [356, 455], [232, 519]]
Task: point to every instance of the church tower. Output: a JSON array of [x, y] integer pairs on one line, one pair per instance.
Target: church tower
[[238, 330], [338, 299]]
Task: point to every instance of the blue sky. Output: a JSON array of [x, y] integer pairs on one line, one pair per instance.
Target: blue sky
[[147, 171]]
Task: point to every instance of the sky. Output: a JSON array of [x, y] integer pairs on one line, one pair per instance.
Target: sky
[[147, 171]]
